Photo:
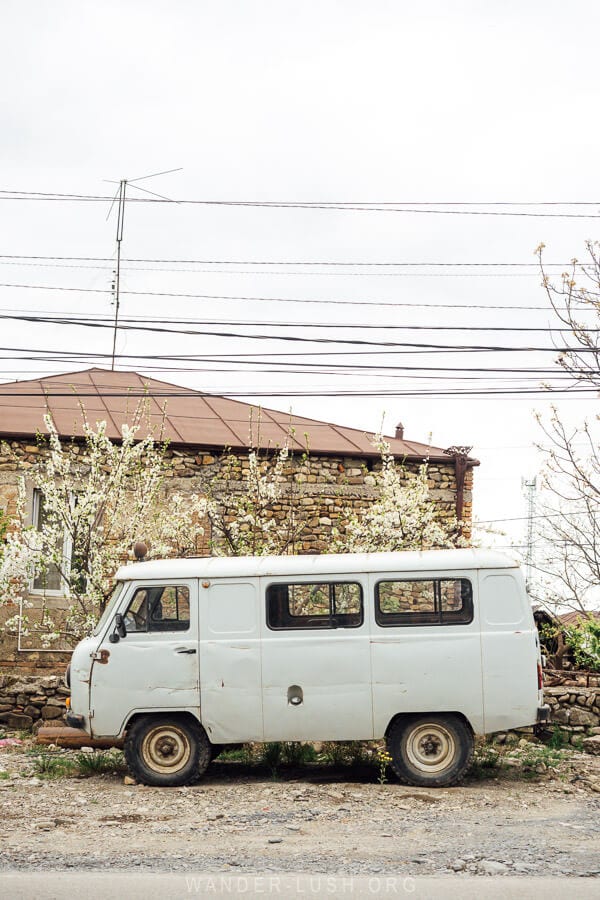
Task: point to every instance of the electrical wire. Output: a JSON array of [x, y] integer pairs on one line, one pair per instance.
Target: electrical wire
[[262, 299], [270, 262], [93, 321], [344, 206]]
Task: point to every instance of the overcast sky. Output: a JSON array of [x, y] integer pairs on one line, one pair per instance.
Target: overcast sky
[[314, 102]]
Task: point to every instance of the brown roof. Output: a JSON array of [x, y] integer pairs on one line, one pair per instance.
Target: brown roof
[[576, 617], [190, 417]]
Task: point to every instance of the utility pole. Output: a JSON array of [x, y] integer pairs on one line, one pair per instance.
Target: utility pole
[[123, 184], [529, 490], [116, 283]]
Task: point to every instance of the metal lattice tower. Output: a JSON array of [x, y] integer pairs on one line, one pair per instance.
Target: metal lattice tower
[[529, 490]]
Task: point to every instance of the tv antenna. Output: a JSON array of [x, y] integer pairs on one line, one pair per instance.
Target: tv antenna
[[120, 198]]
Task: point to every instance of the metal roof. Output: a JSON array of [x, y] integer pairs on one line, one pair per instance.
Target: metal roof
[[185, 416], [316, 565]]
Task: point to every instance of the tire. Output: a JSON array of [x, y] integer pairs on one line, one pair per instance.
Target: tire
[[166, 751], [430, 750]]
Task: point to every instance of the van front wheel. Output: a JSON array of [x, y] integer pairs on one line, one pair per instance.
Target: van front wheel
[[430, 750], [166, 751]]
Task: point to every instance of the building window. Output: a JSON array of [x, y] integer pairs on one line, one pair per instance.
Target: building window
[[430, 601], [322, 605], [49, 579]]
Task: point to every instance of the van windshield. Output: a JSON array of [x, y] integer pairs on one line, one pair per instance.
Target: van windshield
[[108, 608]]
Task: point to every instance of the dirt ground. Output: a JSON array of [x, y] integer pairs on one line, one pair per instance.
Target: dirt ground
[[535, 815]]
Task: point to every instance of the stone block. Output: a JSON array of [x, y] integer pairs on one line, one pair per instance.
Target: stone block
[[32, 711], [21, 688], [592, 744], [18, 720], [52, 712], [582, 717]]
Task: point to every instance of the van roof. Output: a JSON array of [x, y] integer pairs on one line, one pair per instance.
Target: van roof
[[323, 564]]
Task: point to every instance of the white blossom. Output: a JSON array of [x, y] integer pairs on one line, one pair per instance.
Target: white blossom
[[98, 503], [404, 517]]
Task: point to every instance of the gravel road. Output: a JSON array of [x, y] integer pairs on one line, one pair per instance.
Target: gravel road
[[500, 822]]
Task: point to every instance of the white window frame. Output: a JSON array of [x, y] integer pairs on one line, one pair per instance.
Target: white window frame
[[67, 550]]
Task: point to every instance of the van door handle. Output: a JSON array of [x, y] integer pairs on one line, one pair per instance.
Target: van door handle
[[182, 650]]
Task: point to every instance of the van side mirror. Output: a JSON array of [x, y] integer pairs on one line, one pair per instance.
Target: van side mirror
[[120, 630]]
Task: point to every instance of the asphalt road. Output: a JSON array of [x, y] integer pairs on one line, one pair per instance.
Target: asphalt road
[[137, 886]]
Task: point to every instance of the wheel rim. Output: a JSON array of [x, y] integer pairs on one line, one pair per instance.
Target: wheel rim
[[430, 748], [166, 749]]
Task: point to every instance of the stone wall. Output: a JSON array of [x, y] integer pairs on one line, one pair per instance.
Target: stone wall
[[326, 488], [575, 709], [29, 700]]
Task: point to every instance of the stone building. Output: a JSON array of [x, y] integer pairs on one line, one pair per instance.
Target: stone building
[[336, 475]]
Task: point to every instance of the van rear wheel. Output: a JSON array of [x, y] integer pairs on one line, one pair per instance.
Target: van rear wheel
[[167, 751], [430, 750]]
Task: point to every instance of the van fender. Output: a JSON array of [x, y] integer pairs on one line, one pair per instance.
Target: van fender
[[432, 712], [153, 712]]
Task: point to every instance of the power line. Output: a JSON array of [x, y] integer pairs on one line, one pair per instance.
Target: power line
[[343, 206], [466, 348], [254, 298], [287, 273], [317, 393], [356, 202], [271, 262], [82, 321]]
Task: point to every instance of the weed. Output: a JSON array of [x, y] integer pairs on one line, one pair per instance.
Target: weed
[[4, 775], [240, 754], [100, 763], [486, 761], [383, 761], [271, 756], [345, 753], [295, 753], [49, 765], [249, 754], [536, 758], [558, 740]]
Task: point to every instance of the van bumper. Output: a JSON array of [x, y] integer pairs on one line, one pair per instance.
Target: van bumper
[[73, 738]]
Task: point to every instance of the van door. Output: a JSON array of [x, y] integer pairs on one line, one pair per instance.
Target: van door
[[509, 652], [426, 651], [231, 688], [316, 664], [155, 666]]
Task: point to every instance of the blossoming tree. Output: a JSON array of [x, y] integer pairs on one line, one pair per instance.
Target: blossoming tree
[[404, 517], [97, 502], [244, 522]]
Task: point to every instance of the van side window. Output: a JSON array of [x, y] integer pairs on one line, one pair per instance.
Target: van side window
[[159, 608], [321, 605], [435, 601]]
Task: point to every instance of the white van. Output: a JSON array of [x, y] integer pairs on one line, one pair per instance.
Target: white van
[[424, 649]]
